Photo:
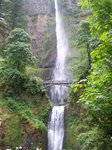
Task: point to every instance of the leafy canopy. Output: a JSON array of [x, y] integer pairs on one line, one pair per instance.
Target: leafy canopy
[[97, 96], [101, 19], [18, 54]]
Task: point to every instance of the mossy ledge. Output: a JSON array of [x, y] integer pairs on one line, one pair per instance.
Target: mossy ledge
[[23, 121]]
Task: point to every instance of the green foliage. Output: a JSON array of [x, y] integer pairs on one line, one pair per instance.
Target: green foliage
[[78, 86], [35, 85], [12, 105], [26, 113], [13, 134], [14, 79], [76, 91], [71, 141], [21, 117], [13, 15], [101, 19], [2, 61], [18, 57], [18, 54], [31, 118], [20, 35], [83, 39], [4, 12], [83, 33], [80, 65], [45, 113], [96, 96], [21, 90], [17, 15], [94, 139]]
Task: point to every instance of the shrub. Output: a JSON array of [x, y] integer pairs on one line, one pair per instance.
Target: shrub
[[12, 105], [14, 78], [94, 139], [35, 85]]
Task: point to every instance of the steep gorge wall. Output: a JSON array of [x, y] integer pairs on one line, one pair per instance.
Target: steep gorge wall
[[15, 129], [42, 30], [41, 27], [73, 15]]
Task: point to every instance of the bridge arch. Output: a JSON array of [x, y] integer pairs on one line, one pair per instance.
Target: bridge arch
[[50, 83]]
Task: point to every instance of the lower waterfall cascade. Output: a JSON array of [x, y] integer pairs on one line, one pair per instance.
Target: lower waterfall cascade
[[58, 92], [56, 128]]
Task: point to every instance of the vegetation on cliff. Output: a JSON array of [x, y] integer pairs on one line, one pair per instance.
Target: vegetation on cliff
[[24, 105], [91, 96]]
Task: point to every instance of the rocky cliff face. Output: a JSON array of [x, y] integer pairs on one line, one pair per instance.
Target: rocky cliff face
[[41, 27], [36, 7]]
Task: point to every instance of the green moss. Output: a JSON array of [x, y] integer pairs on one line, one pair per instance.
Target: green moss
[[24, 116], [13, 134], [2, 62], [34, 18], [71, 120], [47, 37], [50, 22]]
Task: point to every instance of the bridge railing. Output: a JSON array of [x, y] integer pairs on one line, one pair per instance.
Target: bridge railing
[[57, 82]]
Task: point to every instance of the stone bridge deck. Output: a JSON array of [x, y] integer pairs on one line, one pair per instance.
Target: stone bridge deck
[[57, 82]]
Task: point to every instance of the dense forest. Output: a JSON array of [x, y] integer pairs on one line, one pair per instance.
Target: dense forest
[[91, 95], [24, 101], [22, 96]]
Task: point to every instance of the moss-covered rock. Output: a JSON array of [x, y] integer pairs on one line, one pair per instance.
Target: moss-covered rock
[[24, 121]]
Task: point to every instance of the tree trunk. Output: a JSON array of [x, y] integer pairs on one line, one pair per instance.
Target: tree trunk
[[89, 55]]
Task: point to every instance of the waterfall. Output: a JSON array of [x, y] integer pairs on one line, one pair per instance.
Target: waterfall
[[56, 129], [58, 92]]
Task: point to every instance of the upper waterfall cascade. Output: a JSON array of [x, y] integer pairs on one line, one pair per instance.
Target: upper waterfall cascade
[[58, 92]]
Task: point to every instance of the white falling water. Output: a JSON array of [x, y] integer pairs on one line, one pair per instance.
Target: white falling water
[[58, 92], [56, 129]]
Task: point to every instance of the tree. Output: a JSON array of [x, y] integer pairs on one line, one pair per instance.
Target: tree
[[97, 97], [18, 56], [86, 42], [4, 13], [4, 7], [84, 38], [101, 19], [11, 15], [17, 17]]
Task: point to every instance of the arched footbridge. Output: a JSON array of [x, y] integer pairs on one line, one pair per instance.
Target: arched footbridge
[[57, 82]]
